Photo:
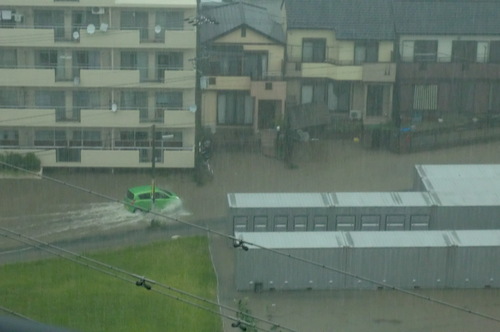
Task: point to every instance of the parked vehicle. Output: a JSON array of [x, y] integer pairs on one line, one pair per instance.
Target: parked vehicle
[[141, 198]]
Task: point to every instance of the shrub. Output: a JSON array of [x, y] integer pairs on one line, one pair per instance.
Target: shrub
[[28, 161]]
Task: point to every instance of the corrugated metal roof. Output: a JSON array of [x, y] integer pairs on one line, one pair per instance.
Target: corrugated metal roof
[[360, 239], [354, 19], [487, 198], [383, 199], [447, 17], [477, 238], [284, 200], [230, 16], [291, 240]]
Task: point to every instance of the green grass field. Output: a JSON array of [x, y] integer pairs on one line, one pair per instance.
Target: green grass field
[[63, 293]]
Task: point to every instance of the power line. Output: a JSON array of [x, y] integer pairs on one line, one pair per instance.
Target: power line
[[138, 280], [239, 243]]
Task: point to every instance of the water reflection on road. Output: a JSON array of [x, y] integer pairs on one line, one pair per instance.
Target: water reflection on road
[[87, 219]]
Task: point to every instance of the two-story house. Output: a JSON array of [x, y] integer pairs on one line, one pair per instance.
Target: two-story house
[[241, 63], [94, 83], [340, 59], [448, 60]]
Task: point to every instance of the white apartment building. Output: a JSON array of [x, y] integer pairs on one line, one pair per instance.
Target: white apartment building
[[94, 83]]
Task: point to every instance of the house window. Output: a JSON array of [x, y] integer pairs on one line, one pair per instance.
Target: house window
[[313, 92], [464, 51], [255, 65], [495, 52], [8, 58], [339, 96], [313, 50], [50, 19], [425, 51], [168, 61], [462, 97], [375, 100], [234, 108], [137, 61], [424, 101], [135, 20], [494, 98], [226, 61], [365, 51]]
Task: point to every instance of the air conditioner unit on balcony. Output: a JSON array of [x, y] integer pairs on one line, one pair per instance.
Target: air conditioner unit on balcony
[[355, 115], [97, 10]]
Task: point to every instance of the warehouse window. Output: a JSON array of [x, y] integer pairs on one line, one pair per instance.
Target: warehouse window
[[346, 223], [280, 223], [395, 223], [240, 224], [370, 223], [300, 223], [320, 223], [260, 224], [419, 222]]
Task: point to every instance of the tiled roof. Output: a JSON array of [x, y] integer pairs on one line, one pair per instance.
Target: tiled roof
[[237, 14], [458, 17], [382, 19], [350, 19]]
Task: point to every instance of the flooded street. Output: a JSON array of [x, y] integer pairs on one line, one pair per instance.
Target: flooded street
[[84, 203]]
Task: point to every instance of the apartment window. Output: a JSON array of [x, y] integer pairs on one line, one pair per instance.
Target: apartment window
[[81, 19], [135, 138], [168, 139], [168, 61], [425, 51], [313, 92], [135, 20], [169, 100], [52, 100], [85, 100], [234, 108], [255, 65], [137, 61], [50, 19], [365, 51], [168, 20], [464, 51], [8, 58], [375, 100], [85, 60], [7, 18], [313, 50], [135, 100], [50, 59], [86, 138], [50, 138], [339, 96], [494, 52], [9, 98], [9, 137]]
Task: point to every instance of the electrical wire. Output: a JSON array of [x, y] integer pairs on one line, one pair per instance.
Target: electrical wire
[[126, 276], [242, 244]]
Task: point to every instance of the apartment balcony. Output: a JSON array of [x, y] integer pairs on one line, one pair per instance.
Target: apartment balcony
[[179, 79], [108, 78], [22, 37], [228, 83], [27, 77], [324, 70], [449, 70], [116, 158]]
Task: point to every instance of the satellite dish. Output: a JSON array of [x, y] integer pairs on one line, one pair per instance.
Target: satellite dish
[[76, 35], [157, 29], [114, 107], [192, 108], [90, 29]]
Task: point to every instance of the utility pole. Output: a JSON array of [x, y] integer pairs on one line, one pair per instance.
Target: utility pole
[[153, 162]]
